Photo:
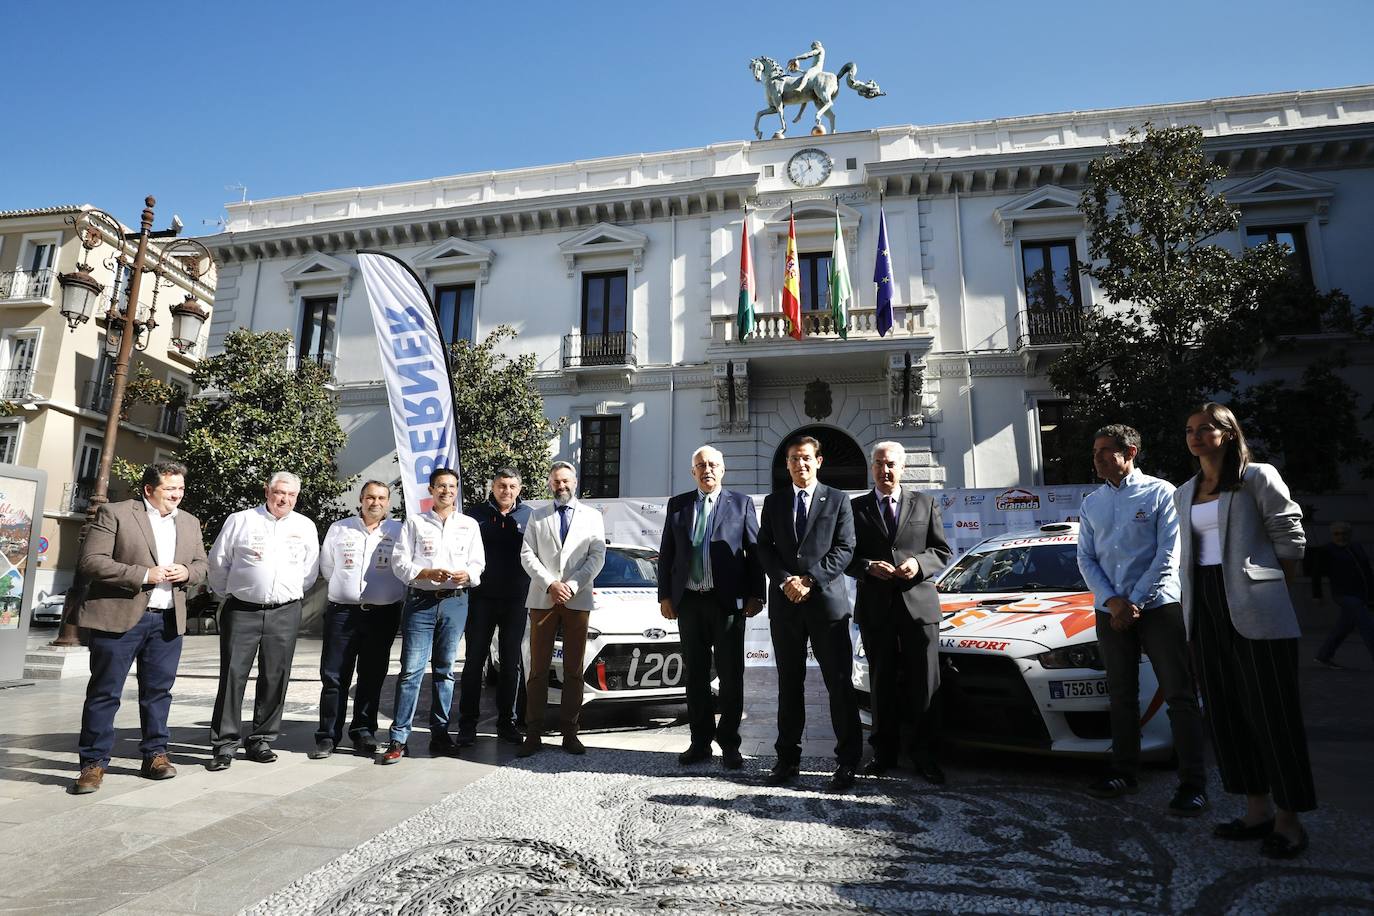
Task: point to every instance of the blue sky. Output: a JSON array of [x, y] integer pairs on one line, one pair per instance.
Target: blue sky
[[181, 100]]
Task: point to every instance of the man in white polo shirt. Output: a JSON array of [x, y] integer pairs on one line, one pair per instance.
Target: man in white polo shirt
[[263, 561], [361, 621], [439, 555]]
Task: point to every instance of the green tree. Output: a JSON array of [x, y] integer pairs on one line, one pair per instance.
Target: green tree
[[258, 414], [1189, 318], [500, 416]]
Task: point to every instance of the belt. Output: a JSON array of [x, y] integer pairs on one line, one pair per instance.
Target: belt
[[701, 591], [368, 607], [262, 607], [438, 594]]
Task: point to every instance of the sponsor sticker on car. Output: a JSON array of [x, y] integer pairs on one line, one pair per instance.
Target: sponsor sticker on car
[[1074, 690]]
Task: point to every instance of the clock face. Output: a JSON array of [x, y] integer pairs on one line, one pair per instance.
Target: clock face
[[809, 167]]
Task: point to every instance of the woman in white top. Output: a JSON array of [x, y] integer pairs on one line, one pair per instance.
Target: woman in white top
[[1241, 538]]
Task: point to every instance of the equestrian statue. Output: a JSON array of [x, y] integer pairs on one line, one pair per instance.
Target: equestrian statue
[[813, 85]]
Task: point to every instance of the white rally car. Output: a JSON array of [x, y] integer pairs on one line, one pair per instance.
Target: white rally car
[[633, 654], [1019, 662]]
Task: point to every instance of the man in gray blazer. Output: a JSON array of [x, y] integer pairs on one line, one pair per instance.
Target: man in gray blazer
[[900, 546], [806, 540], [140, 556], [563, 550]]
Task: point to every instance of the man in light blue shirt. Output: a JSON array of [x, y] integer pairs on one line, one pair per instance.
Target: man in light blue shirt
[[1128, 554]]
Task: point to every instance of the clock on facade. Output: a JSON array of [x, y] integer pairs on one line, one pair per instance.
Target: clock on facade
[[809, 167]]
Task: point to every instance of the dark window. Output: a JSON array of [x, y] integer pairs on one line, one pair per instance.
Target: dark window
[[456, 305], [1051, 272], [815, 281], [9, 441], [319, 317], [628, 567], [1060, 461], [1294, 238], [603, 318], [600, 457]]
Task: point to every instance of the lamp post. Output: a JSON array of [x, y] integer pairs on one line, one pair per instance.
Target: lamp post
[[126, 330]]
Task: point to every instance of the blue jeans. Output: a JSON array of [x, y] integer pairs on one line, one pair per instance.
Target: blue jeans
[[155, 644], [430, 631]]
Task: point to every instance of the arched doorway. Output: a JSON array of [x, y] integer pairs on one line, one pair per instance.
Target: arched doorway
[[844, 464]]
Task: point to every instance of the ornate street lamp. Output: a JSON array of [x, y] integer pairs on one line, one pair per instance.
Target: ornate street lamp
[[80, 291]]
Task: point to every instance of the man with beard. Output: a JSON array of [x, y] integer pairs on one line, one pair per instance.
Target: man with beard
[[563, 550]]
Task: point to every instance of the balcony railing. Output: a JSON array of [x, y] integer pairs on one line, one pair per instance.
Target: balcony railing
[[96, 395], [27, 285], [16, 384], [76, 496], [616, 349], [1050, 327], [820, 324], [327, 361], [172, 421]]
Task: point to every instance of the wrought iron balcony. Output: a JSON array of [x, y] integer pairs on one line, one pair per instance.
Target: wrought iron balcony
[[326, 361], [27, 285], [1050, 327], [16, 384], [97, 395], [582, 350], [76, 496], [172, 421]]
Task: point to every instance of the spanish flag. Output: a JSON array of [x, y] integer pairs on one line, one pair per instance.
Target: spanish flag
[[791, 281]]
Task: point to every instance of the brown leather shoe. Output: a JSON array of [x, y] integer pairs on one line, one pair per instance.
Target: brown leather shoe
[[157, 767], [89, 780]]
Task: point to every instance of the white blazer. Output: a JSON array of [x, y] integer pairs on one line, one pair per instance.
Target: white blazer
[[575, 561], [1259, 524]]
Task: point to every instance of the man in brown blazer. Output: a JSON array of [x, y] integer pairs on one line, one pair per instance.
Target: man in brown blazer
[[140, 557]]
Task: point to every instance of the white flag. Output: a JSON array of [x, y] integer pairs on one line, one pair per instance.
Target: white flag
[[416, 370]]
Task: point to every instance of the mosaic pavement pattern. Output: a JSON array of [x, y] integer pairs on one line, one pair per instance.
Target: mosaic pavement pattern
[[624, 832]]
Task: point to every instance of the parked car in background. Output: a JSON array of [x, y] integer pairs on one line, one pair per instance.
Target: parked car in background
[[48, 610], [1019, 661]]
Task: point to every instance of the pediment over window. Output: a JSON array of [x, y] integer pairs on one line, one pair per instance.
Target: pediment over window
[[603, 239], [455, 253], [1283, 186], [1048, 203], [319, 268]]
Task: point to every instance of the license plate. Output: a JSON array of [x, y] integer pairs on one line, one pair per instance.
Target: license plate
[[1075, 690]]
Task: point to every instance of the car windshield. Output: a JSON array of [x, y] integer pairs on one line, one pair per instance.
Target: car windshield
[[628, 567], [1027, 568]]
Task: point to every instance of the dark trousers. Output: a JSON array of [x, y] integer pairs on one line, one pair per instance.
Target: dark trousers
[[247, 634], [486, 617], [1250, 692], [156, 644], [904, 674], [1159, 633], [791, 629], [544, 623], [1356, 613], [709, 632], [354, 637]]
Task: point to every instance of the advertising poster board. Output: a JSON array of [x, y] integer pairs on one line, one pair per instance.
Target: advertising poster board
[[21, 514]]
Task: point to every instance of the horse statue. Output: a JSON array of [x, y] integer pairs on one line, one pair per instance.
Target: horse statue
[[815, 85]]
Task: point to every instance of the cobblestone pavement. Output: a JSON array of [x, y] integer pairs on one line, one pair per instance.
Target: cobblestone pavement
[[624, 826]]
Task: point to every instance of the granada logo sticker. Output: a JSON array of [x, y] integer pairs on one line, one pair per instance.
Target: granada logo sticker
[[1016, 500]]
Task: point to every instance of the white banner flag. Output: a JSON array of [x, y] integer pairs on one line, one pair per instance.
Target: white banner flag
[[415, 368]]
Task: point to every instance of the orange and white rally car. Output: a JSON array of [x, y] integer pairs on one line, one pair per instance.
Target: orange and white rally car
[[1019, 663]]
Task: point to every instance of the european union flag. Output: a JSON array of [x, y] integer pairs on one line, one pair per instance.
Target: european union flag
[[882, 275]]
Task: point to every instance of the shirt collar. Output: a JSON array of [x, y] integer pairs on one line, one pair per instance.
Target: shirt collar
[[896, 495], [702, 494], [1130, 479], [810, 491], [156, 513]]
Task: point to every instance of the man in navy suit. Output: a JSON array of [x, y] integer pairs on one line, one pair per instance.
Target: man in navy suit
[[709, 580], [806, 540]]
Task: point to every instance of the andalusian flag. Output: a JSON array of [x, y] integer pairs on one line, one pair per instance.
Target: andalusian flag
[[882, 275], [746, 284], [841, 292], [791, 281]]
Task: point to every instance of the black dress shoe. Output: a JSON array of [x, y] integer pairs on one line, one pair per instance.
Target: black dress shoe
[[466, 737], [782, 774], [930, 771], [695, 754], [510, 734], [261, 753], [731, 760], [364, 748], [1239, 830], [876, 767], [1278, 846], [842, 779], [220, 762], [441, 745], [323, 748]]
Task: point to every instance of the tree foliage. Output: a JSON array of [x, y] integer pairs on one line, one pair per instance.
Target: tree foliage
[[500, 416], [258, 414], [1188, 317]]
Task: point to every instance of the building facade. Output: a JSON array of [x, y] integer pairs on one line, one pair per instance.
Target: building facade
[[55, 382], [622, 276]]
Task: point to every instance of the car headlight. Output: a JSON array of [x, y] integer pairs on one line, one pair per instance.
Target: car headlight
[[1082, 655]]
